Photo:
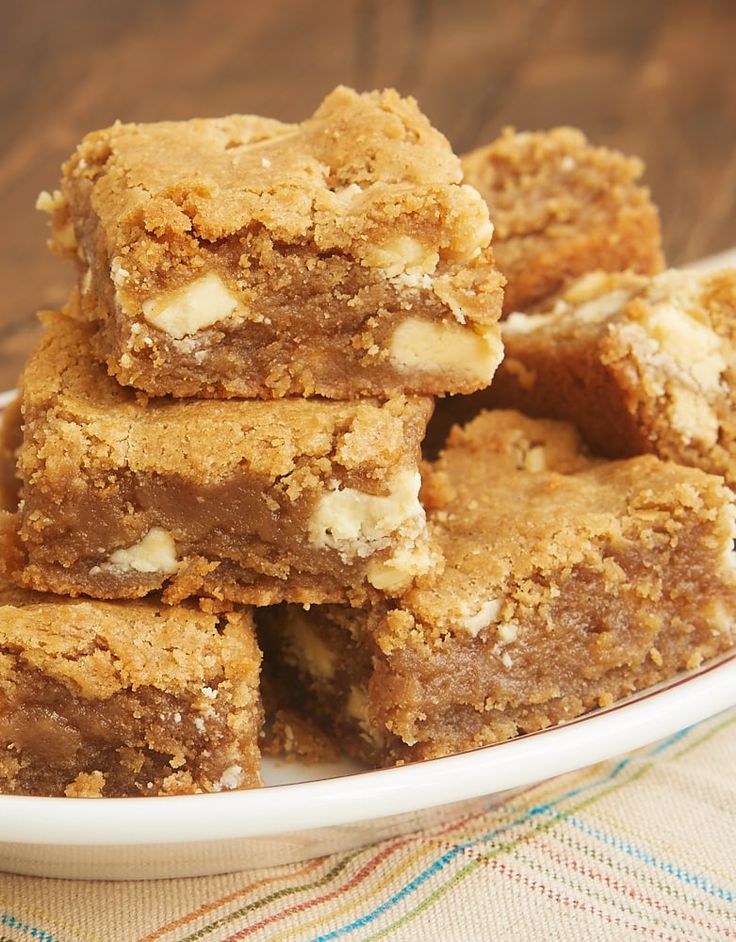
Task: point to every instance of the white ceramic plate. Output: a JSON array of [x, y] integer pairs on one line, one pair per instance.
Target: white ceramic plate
[[307, 811], [294, 818]]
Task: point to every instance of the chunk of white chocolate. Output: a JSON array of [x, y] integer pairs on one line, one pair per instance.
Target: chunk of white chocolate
[[358, 524], [397, 570], [314, 654], [418, 345], [402, 254], [232, 777], [50, 202], [693, 346], [483, 617], [156, 552], [192, 308], [693, 418]]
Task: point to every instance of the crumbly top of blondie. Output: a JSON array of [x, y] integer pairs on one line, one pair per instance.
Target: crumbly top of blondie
[[363, 166], [100, 648], [81, 419], [540, 181], [514, 505]]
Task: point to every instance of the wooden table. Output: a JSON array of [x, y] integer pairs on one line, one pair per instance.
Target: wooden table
[[653, 77]]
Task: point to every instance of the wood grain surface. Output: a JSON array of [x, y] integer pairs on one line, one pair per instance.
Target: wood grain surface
[[652, 77]]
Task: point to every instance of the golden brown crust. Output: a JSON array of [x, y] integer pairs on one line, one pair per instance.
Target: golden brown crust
[[561, 207]]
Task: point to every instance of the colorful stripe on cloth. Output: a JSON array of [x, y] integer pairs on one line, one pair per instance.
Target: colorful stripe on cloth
[[639, 847]]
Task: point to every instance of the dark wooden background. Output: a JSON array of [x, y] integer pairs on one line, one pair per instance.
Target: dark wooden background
[[653, 77]]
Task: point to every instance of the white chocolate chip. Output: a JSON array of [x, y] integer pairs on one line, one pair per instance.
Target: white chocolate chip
[[414, 280], [591, 286], [693, 346], [347, 195], [119, 274], [422, 345], [478, 236], [402, 254], [535, 459], [194, 307], [693, 418], [232, 777], [356, 707], [598, 309], [50, 202], [508, 632], [400, 567], [314, 654], [591, 309], [357, 524], [486, 615], [156, 552]]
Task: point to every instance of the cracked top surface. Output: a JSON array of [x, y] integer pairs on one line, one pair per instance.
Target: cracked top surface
[[100, 648], [79, 418], [360, 164]]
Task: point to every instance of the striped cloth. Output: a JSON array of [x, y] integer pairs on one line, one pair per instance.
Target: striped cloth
[[639, 847]]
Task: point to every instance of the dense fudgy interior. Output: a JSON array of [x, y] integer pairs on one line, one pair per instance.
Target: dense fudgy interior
[[285, 350], [142, 742]]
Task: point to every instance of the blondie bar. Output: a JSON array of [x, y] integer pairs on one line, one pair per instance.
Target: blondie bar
[[639, 365], [561, 207], [103, 699], [340, 257], [569, 583], [243, 500]]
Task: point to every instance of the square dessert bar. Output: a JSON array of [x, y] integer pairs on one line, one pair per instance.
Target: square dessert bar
[[243, 500], [340, 257], [103, 699], [639, 365], [568, 584], [561, 207]]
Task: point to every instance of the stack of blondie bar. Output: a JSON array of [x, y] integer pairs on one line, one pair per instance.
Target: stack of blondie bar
[[223, 427]]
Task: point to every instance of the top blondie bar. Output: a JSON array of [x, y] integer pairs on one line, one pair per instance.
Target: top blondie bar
[[240, 256]]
